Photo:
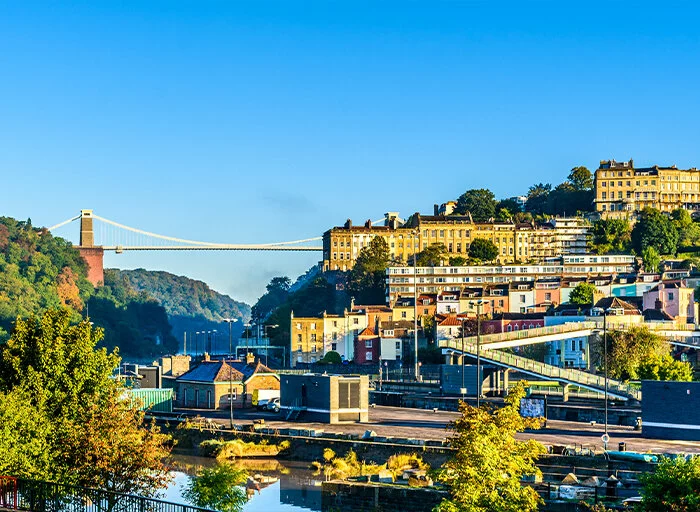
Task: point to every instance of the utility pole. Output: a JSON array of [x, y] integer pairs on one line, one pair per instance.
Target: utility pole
[[230, 321]]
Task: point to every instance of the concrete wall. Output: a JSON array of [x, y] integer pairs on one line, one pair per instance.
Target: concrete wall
[[670, 410], [361, 497], [327, 398]]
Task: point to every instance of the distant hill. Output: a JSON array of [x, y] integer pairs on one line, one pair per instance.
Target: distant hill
[[190, 304]]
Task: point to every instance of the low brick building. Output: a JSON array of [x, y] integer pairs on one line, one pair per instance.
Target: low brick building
[[208, 385]]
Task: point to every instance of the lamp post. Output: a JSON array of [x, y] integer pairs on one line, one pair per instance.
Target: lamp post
[[464, 333], [230, 321], [478, 352], [415, 307], [196, 343], [605, 362]]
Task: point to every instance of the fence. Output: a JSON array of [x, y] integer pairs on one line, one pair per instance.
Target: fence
[[38, 496]]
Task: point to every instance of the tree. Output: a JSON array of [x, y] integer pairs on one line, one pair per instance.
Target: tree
[[485, 472], [581, 178], [583, 294], [367, 278], [94, 436], [611, 236], [331, 357], [483, 250], [218, 488], [537, 198], [480, 203], [651, 259], [688, 230], [457, 261], [664, 367], [655, 230], [432, 256], [510, 205], [673, 486], [628, 349]]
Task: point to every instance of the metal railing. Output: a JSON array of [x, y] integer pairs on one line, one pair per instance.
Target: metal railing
[[546, 370], [530, 333], [38, 496]]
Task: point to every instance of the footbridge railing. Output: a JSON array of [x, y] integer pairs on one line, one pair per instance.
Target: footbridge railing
[[39, 496], [565, 375]]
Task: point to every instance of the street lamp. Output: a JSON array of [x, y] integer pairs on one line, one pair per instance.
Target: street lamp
[[478, 351], [605, 362], [196, 343], [464, 333], [230, 321], [414, 234]]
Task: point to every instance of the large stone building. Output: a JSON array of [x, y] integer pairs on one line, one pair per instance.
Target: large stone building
[[621, 190], [515, 242]]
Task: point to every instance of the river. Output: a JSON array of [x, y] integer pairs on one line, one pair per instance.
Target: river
[[297, 489]]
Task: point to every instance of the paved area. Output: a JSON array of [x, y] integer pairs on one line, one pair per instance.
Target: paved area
[[426, 424]]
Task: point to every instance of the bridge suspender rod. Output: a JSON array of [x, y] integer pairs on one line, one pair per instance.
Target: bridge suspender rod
[[63, 223]]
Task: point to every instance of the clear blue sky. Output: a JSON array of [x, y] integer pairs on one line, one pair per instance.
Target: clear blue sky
[[267, 121]]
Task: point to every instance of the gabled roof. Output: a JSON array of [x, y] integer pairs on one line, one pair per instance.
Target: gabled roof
[[518, 316], [450, 321], [212, 371], [617, 303], [368, 331]]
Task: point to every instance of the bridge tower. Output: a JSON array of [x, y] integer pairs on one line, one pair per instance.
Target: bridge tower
[[91, 253]]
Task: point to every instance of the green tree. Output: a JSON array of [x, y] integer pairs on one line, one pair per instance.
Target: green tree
[[655, 230], [458, 261], [688, 230], [611, 236], [583, 294], [537, 197], [628, 349], [95, 438], [651, 259], [510, 205], [480, 203], [367, 278], [482, 249], [485, 472], [218, 488], [432, 256], [673, 486], [581, 178], [664, 367], [331, 357]]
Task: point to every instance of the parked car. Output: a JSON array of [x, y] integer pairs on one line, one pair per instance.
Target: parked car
[[273, 405]]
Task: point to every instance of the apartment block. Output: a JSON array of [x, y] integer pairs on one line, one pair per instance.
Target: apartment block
[[515, 242], [621, 190]]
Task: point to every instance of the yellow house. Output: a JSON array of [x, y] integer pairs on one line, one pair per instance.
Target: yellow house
[[306, 339]]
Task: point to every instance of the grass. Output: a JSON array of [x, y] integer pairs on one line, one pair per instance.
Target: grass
[[237, 448]]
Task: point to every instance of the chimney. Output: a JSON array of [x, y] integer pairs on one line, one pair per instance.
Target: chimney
[[250, 359], [348, 224], [436, 210]]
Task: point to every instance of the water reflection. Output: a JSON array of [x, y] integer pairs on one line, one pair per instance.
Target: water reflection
[[296, 488]]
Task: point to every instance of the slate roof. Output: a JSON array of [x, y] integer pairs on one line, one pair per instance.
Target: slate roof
[[617, 303], [657, 315], [223, 371]]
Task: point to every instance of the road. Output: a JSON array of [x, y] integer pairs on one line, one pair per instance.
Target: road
[[426, 424]]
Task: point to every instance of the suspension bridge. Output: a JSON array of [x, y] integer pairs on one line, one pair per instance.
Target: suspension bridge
[[108, 235]]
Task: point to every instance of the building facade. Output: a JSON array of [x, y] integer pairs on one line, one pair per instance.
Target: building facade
[[515, 242], [621, 190]]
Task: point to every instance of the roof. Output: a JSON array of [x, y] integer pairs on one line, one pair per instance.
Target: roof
[[450, 321], [518, 316], [368, 331], [657, 315], [617, 303], [224, 371], [212, 371]]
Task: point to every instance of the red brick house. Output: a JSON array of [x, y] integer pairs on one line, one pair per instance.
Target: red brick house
[[367, 347]]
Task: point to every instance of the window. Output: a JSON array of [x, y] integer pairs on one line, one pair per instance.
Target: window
[[313, 349], [299, 348], [334, 336], [368, 343], [522, 299], [334, 346], [670, 295], [368, 356], [313, 326], [398, 345], [313, 337], [355, 321], [298, 327], [548, 296], [403, 314], [573, 344], [335, 323], [299, 338]]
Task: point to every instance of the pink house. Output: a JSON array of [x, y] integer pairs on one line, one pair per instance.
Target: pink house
[[673, 298], [507, 322]]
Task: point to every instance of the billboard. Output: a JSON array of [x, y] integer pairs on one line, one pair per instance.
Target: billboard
[[533, 408]]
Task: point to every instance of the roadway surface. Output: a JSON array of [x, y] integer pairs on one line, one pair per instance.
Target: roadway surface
[[426, 424]]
